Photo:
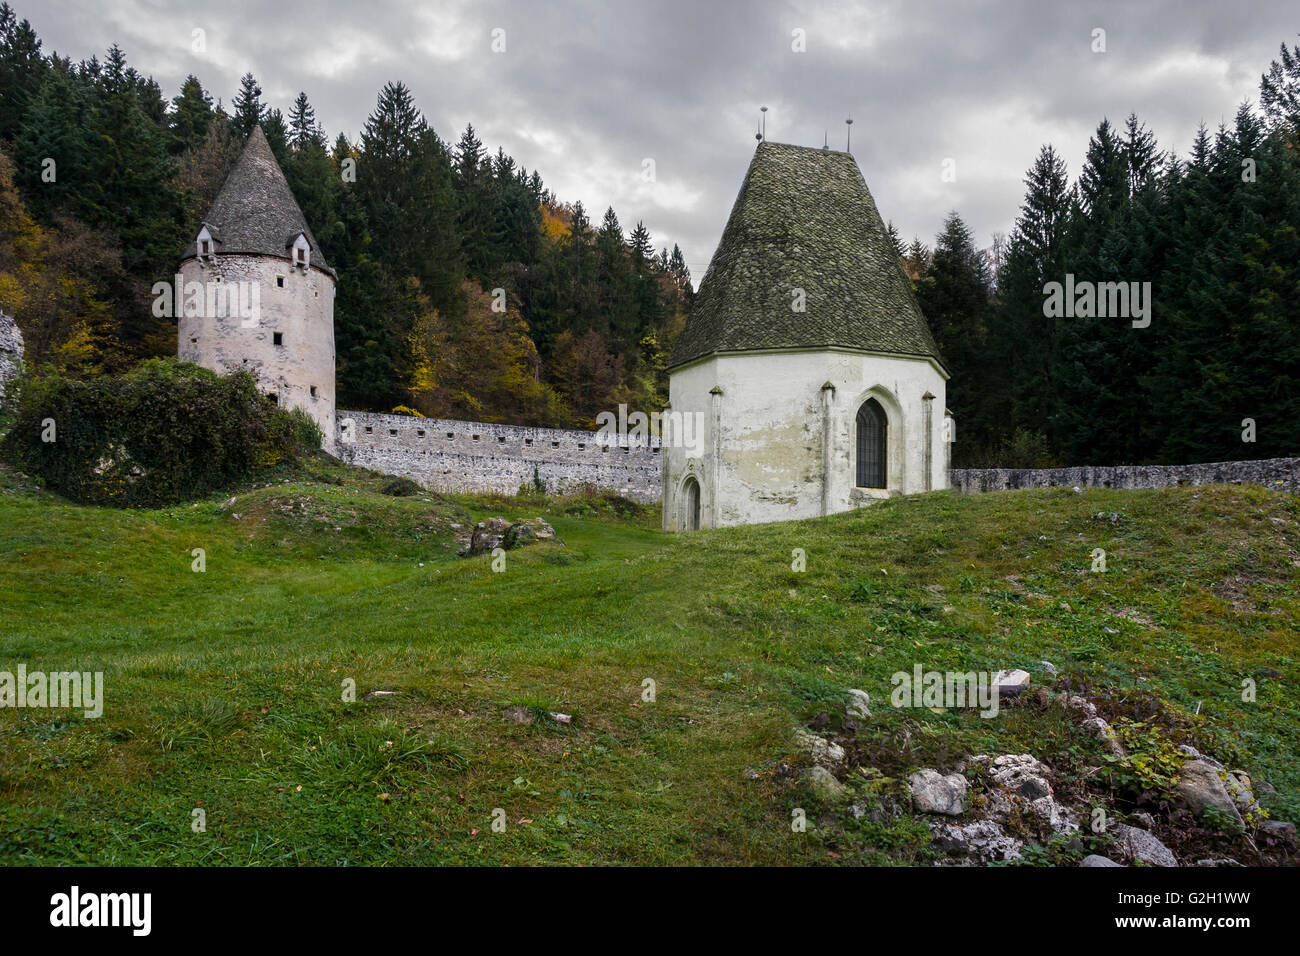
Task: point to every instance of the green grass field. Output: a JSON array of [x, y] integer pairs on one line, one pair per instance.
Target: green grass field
[[224, 689]]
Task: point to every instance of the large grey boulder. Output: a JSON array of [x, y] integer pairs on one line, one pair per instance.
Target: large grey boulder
[[1141, 846], [932, 792], [528, 531], [488, 535], [1200, 786], [1238, 786]]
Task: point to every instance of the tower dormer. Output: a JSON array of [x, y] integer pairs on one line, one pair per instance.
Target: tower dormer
[[205, 243], [299, 247]]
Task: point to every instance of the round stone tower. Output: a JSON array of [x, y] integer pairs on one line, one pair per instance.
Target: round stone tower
[[255, 293]]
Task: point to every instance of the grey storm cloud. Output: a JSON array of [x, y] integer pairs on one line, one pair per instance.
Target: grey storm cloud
[[586, 92]]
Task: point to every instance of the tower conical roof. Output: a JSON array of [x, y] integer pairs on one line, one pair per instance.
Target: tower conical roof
[[804, 219], [255, 212]]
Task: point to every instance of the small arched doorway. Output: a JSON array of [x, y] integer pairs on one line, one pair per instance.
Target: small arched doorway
[[873, 435], [691, 505]]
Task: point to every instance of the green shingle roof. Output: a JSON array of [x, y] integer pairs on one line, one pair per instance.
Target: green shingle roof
[[804, 219], [255, 212]]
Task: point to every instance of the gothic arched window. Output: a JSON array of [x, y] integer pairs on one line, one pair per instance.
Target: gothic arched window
[[873, 429]]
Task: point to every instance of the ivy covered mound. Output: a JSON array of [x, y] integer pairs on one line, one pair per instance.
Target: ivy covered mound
[[164, 432]]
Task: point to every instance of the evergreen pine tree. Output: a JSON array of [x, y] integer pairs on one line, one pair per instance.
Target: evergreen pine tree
[[249, 111]]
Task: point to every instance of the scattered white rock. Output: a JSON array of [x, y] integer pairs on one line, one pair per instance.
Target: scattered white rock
[[932, 792], [1020, 782], [859, 703], [1099, 728], [820, 750], [824, 783], [1021, 774], [1079, 704], [1010, 683], [561, 718], [980, 842], [1093, 859]]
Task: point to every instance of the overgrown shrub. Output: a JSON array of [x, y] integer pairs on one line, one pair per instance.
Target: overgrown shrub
[[166, 431], [305, 430], [401, 487]]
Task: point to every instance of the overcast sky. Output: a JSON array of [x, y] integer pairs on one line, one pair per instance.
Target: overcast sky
[[585, 92]]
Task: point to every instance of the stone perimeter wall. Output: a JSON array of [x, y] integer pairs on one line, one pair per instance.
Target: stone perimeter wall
[[503, 457], [480, 457], [1282, 474]]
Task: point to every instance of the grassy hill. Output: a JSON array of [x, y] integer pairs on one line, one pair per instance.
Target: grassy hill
[[224, 688]]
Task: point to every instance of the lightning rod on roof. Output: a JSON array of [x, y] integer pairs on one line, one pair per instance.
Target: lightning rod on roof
[[848, 146], [761, 135]]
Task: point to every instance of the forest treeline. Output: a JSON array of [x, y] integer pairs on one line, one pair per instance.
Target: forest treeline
[[103, 180], [1215, 375]]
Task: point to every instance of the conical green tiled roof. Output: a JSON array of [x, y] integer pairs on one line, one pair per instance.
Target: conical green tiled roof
[[804, 219], [255, 212]]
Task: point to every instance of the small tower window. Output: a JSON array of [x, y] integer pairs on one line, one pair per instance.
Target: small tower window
[[277, 338], [279, 281], [313, 391]]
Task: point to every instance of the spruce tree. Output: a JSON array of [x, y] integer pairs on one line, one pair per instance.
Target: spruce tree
[[954, 297], [303, 131], [191, 115], [249, 111]]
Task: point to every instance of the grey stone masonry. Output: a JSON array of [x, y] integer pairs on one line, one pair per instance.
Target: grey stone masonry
[[1282, 474], [456, 456]]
